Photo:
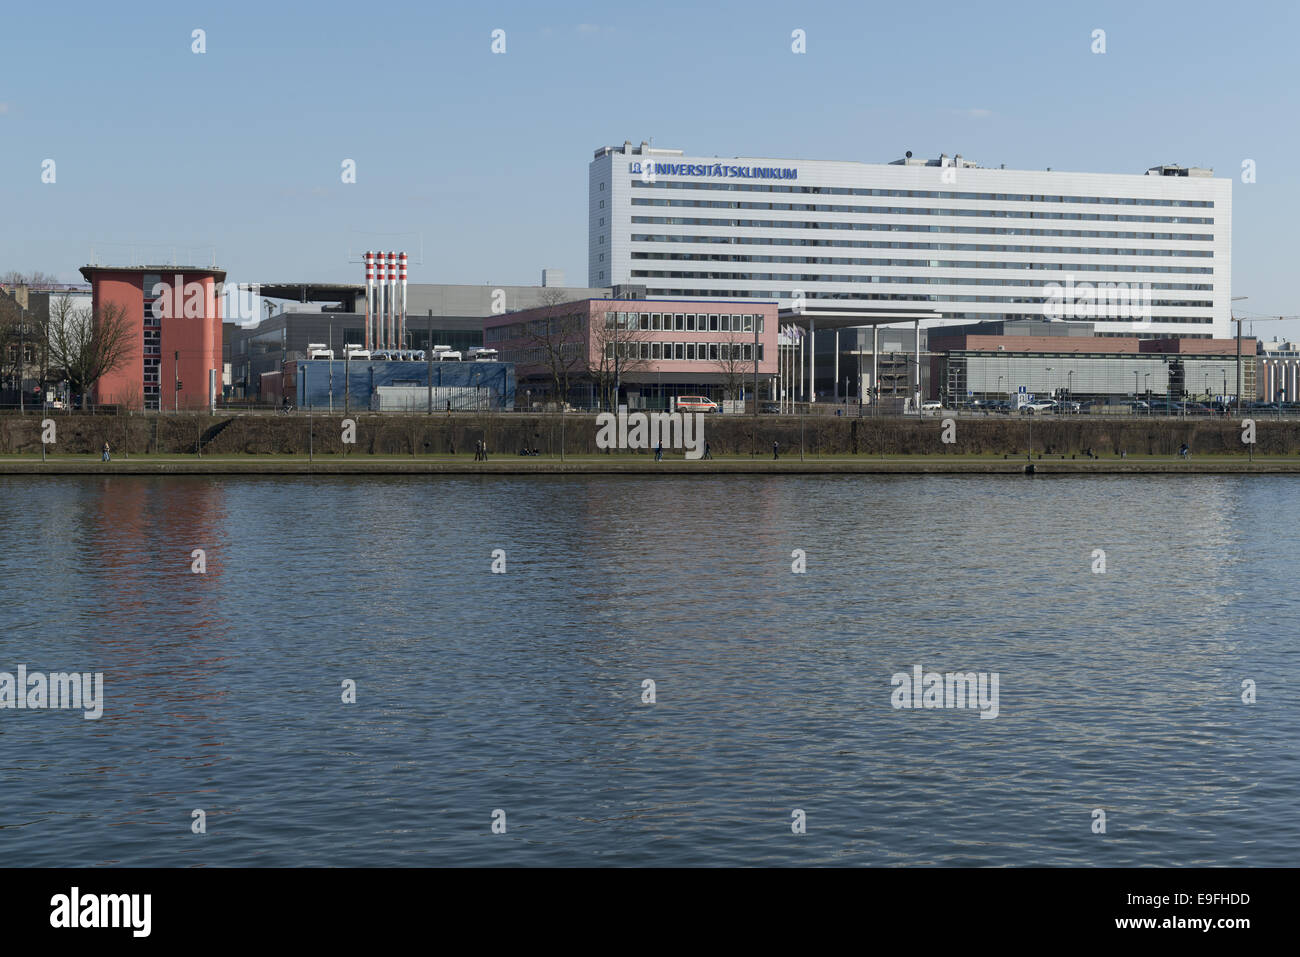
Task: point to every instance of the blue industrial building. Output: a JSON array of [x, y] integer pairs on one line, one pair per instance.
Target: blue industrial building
[[401, 386]]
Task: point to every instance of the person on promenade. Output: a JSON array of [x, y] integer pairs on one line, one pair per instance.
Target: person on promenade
[[659, 451], [1183, 450], [708, 452], [774, 455], [478, 450], [107, 453]]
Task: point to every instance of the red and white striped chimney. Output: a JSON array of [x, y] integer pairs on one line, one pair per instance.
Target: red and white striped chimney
[[401, 276], [391, 276], [370, 293]]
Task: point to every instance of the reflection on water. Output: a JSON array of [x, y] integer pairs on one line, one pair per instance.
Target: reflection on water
[[523, 691]]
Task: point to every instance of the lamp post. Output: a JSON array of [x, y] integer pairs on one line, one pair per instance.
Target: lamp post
[[1238, 321], [22, 349], [1146, 381], [1069, 387]]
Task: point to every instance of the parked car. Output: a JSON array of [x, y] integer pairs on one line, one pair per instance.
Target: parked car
[[1038, 406], [770, 408], [696, 403]]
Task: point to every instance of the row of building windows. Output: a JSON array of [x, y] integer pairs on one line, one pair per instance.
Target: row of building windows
[[152, 343], [899, 297], [911, 280], [686, 351], [910, 228], [567, 354], [682, 322], [922, 263], [894, 244], [637, 183], [548, 327], [923, 211]]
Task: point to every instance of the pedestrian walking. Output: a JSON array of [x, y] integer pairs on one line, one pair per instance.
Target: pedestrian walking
[[708, 452], [478, 450], [659, 451], [107, 453], [774, 453]]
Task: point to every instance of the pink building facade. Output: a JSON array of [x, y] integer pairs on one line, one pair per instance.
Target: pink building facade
[[651, 349]]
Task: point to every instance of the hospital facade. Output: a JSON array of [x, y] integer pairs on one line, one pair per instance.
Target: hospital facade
[[1141, 255]]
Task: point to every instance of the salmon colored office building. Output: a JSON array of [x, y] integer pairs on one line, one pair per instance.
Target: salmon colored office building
[[668, 348], [174, 314]]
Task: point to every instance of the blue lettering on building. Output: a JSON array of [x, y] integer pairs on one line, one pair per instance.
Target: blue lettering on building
[[717, 169]]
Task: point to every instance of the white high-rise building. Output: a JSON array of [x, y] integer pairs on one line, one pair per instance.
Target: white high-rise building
[[1135, 254]]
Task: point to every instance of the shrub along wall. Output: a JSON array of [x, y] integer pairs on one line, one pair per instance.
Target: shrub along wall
[[507, 433]]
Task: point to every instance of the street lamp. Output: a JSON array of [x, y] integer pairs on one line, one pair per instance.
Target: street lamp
[[22, 349]]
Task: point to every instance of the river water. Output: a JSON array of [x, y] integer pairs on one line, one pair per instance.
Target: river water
[[517, 697]]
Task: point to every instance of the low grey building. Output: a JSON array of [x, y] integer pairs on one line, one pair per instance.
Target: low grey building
[[334, 314]]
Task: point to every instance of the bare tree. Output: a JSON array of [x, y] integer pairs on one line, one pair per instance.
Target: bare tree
[[551, 296], [86, 345], [617, 346], [732, 364], [11, 316], [34, 278], [559, 347]]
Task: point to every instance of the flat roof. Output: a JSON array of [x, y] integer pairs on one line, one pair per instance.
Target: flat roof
[[748, 302], [88, 271], [853, 317]]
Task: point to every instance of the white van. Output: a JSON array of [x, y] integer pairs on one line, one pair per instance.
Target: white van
[[695, 403]]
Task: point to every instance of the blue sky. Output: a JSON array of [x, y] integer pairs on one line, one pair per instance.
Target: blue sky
[[485, 156]]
